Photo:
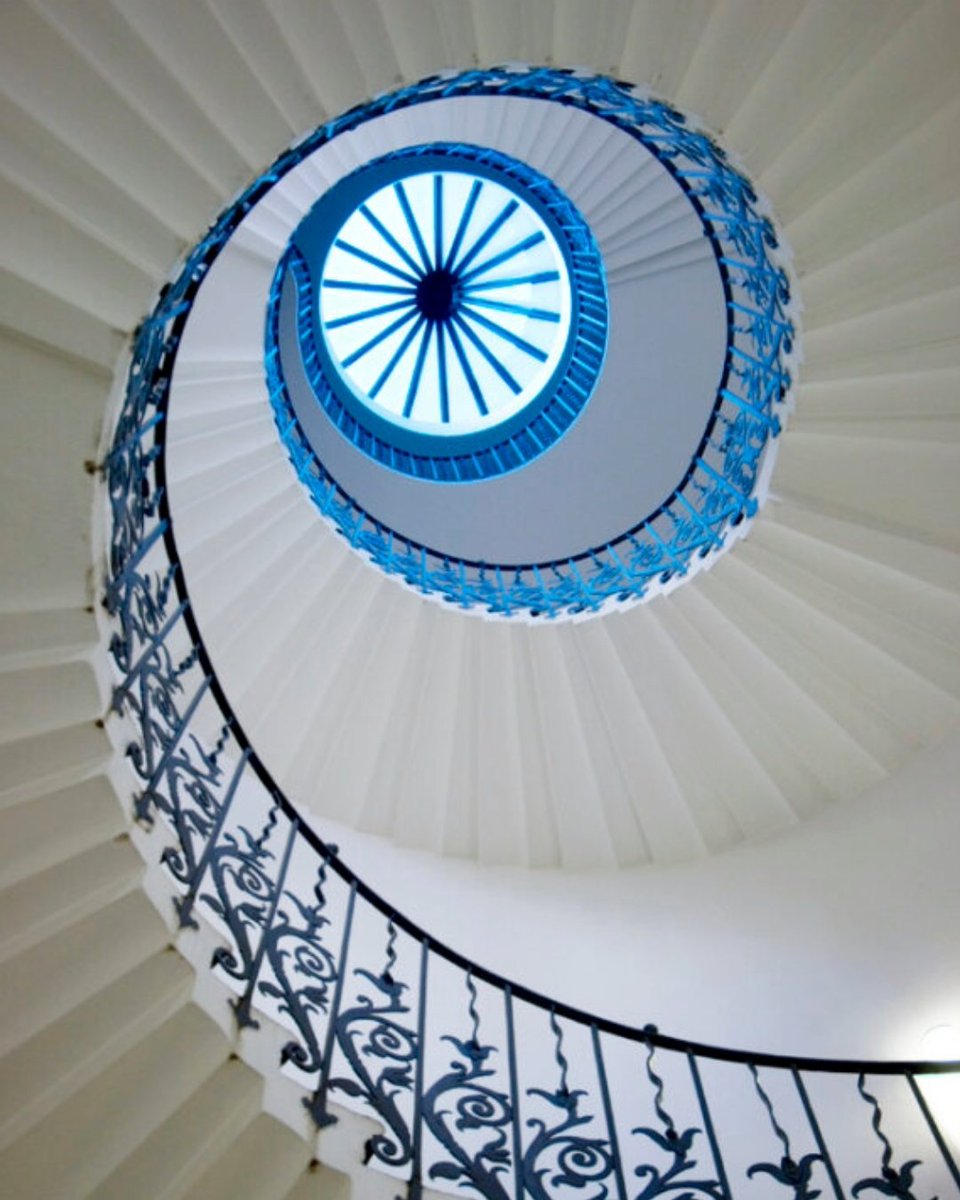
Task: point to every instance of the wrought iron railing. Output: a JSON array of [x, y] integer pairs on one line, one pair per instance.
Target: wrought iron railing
[[480, 1086]]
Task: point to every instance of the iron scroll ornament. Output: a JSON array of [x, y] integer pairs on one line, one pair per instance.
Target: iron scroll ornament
[[724, 480], [162, 672], [190, 796]]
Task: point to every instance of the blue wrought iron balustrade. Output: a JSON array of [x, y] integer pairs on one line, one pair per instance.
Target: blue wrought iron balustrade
[[481, 1087], [722, 486]]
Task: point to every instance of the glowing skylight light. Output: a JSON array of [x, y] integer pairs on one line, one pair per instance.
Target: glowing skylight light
[[445, 302], [449, 306]]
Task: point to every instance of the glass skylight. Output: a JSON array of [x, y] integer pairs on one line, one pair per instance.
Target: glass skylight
[[445, 302]]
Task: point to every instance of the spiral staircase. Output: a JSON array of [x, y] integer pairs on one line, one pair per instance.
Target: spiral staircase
[[784, 702]]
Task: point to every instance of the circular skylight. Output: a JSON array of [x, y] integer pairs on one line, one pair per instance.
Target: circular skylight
[[451, 311], [443, 314], [445, 302]]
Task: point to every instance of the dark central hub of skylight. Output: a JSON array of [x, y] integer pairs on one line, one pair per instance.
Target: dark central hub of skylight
[[438, 295]]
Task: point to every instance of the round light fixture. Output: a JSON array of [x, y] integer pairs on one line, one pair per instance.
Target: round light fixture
[[451, 311]]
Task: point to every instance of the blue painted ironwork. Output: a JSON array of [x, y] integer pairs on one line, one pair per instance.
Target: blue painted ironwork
[[720, 488], [382, 1054], [558, 1159], [304, 971], [437, 307], [672, 1142], [892, 1181], [234, 851], [934, 1128], [470, 1119], [796, 1174]]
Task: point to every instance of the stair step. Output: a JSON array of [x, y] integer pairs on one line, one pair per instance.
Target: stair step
[[39, 700], [46, 762], [46, 903], [262, 1164], [40, 833], [49, 980], [45, 639], [88, 1136], [210, 1126], [46, 1069]]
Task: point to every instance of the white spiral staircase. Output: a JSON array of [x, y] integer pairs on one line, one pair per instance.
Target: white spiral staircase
[[808, 666]]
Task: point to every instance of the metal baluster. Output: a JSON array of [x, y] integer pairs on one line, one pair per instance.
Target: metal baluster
[[608, 1113], [514, 1091], [789, 1172], [242, 1007], [708, 1126], [467, 1115], [156, 641], [934, 1128], [145, 801], [185, 904], [415, 1190], [316, 1104], [891, 1182], [670, 1141], [818, 1136], [126, 572]]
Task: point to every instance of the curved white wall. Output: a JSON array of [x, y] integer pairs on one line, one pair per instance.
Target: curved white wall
[[836, 939]]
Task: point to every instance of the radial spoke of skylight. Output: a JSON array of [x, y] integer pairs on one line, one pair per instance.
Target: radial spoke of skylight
[[352, 285], [397, 356], [480, 319], [437, 221], [464, 222], [442, 374], [501, 370], [367, 314], [379, 337], [535, 314], [468, 372], [491, 230], [373, 260], [415, 378], [513, 281], [504, 256], [501, 331], [412, 224], [391, 241]]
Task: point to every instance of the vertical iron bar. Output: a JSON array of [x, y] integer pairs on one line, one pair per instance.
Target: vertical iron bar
[[416, 1183], [608, 1113], [934, 1129], [125, 571], [242, 1007], [184, 905], [124, 686], [317, 1103], [514, 1091], [708, 1125], [177, 735], [818, 1135]]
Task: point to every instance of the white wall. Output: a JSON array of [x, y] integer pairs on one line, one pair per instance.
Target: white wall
[[837, 939]]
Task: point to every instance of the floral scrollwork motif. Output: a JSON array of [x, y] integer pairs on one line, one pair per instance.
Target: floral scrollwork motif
[[792, 1174], [891, 1182], [557, 1158], [305, 971], [659, 1182], [382, 1054], [243, 893], [472, 1125]]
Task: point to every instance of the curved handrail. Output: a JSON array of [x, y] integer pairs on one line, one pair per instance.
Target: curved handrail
[[287, 909]]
